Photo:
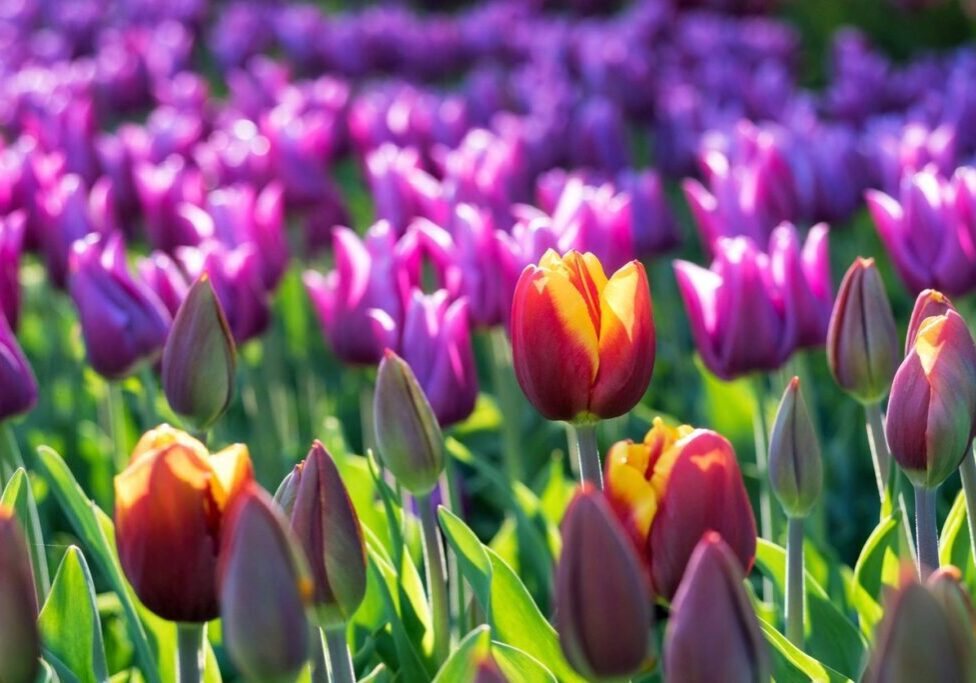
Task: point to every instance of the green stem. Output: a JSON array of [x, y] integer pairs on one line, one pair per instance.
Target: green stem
[[449, 493], [150, 417], [367, 423], [760, 432], [436, 578], [588, 454], [339, 656], [189, 638], [967, 472], [794, 581], [10, 457], [880, 456], [115, 414], [508, 402], [926, 531], [319, 670]]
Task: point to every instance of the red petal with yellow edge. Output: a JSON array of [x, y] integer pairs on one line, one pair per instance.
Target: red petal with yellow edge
[[167, 528], [626, 346], [554, 344], [630, 494], [705, 492], [232, 469], [165, 435]]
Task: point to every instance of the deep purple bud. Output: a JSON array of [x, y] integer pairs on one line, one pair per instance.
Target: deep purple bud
[[16, 376], [11, 243], [65, 218]]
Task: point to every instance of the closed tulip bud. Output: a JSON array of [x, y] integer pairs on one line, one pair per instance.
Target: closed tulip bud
[[918, 639], [170, 506], [327, 527], [407, 434], [945, 585], [199, 359], [582, 344], [795, 470], [932, 406], [488, 672], [284, 497], [264, 586], [672, 488], [862, 341], [928, 303], [713, 633], [603, 606], [19, 393], [20, 643]]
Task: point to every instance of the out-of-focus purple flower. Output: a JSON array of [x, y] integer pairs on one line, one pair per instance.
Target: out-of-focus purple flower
[[601, 136], [320, 218], [302, 144], [924, 235], [122, 320], [236, 276], [11, 244], [652, 224], [735, 311], [163, 276], [16, 376], [242, 29], [65, 218], [436, 343], [161, 190], [69, 126], [236, 152], [116, 164], [298, 28], [895, 151], [186, 91], [803, 277], [172, 131], [486, 259], [360, 302], [401, 189], [596, 220]]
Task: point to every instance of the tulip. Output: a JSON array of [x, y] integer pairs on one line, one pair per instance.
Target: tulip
[[583, 345], [407, 433], [436, 344], [928, 303], [170, 506], [735, 310], [712, 610], [20, 642], [862, 341], [489, 672], [597, 220], [123, 322], [199, 359], [946, 587], [924, 236], [803, 277], [19, 393], [11, 243], [164, 277], [263, 586], [603, 606], [673, 487], [161, 189], [302, 144], [795, 469], [652, 223], [359, 303], [65, 218], [401, 189], [602, 140], [327, 528], [921, 638]]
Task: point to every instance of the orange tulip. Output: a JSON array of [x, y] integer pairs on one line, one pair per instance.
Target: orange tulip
[[583, 345], [671, 489], [169, 515]]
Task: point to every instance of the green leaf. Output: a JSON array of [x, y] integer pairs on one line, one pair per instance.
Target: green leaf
[[83, 515], [472, 558], [831, 637], [462, 665], [955, 545], [791, 665], [519, 666], [876, 566], [19, 497], [69, 623]]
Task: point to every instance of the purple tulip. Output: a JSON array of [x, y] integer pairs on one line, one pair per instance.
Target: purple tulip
[[65, 216], [236, 152], [20, 387], [163, 276], [602, 141], [236, 276], [486, 259], [735, 310], [161, 190], [401, 189], [122, 320], [652, 224], [360, 302], [803, 276], [302, 144], [597, 220], [924, 235], [436, 343], [11, 244], [320, 218]]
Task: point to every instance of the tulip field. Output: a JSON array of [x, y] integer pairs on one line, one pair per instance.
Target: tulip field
[[524, 341]]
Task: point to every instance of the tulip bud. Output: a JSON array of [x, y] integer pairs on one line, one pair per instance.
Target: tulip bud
[[327, 527], [407, 434], [919, 640], [713, 634], [488, 672], [199, 359], [945, 585], [862, 341], [263, 586], [284, 497], [932, 407], [20, 643], [16, 377], [795, 470], [582, 344], [603, 606], [170, 505], [929, 303]]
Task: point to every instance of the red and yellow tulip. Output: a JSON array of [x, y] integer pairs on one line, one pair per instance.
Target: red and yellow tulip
[[583, 344], [672, 488], [169, 515]]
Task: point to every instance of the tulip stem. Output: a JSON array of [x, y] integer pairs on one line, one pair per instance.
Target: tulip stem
[[760, 433], [588, 453], [501, 365], [319, 671], [436, 578], [967, 472], [880, 455], [366, 421], [794, 581], [926, 531], [149, 390], [340, 658], [10, 457], [189, 638]]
